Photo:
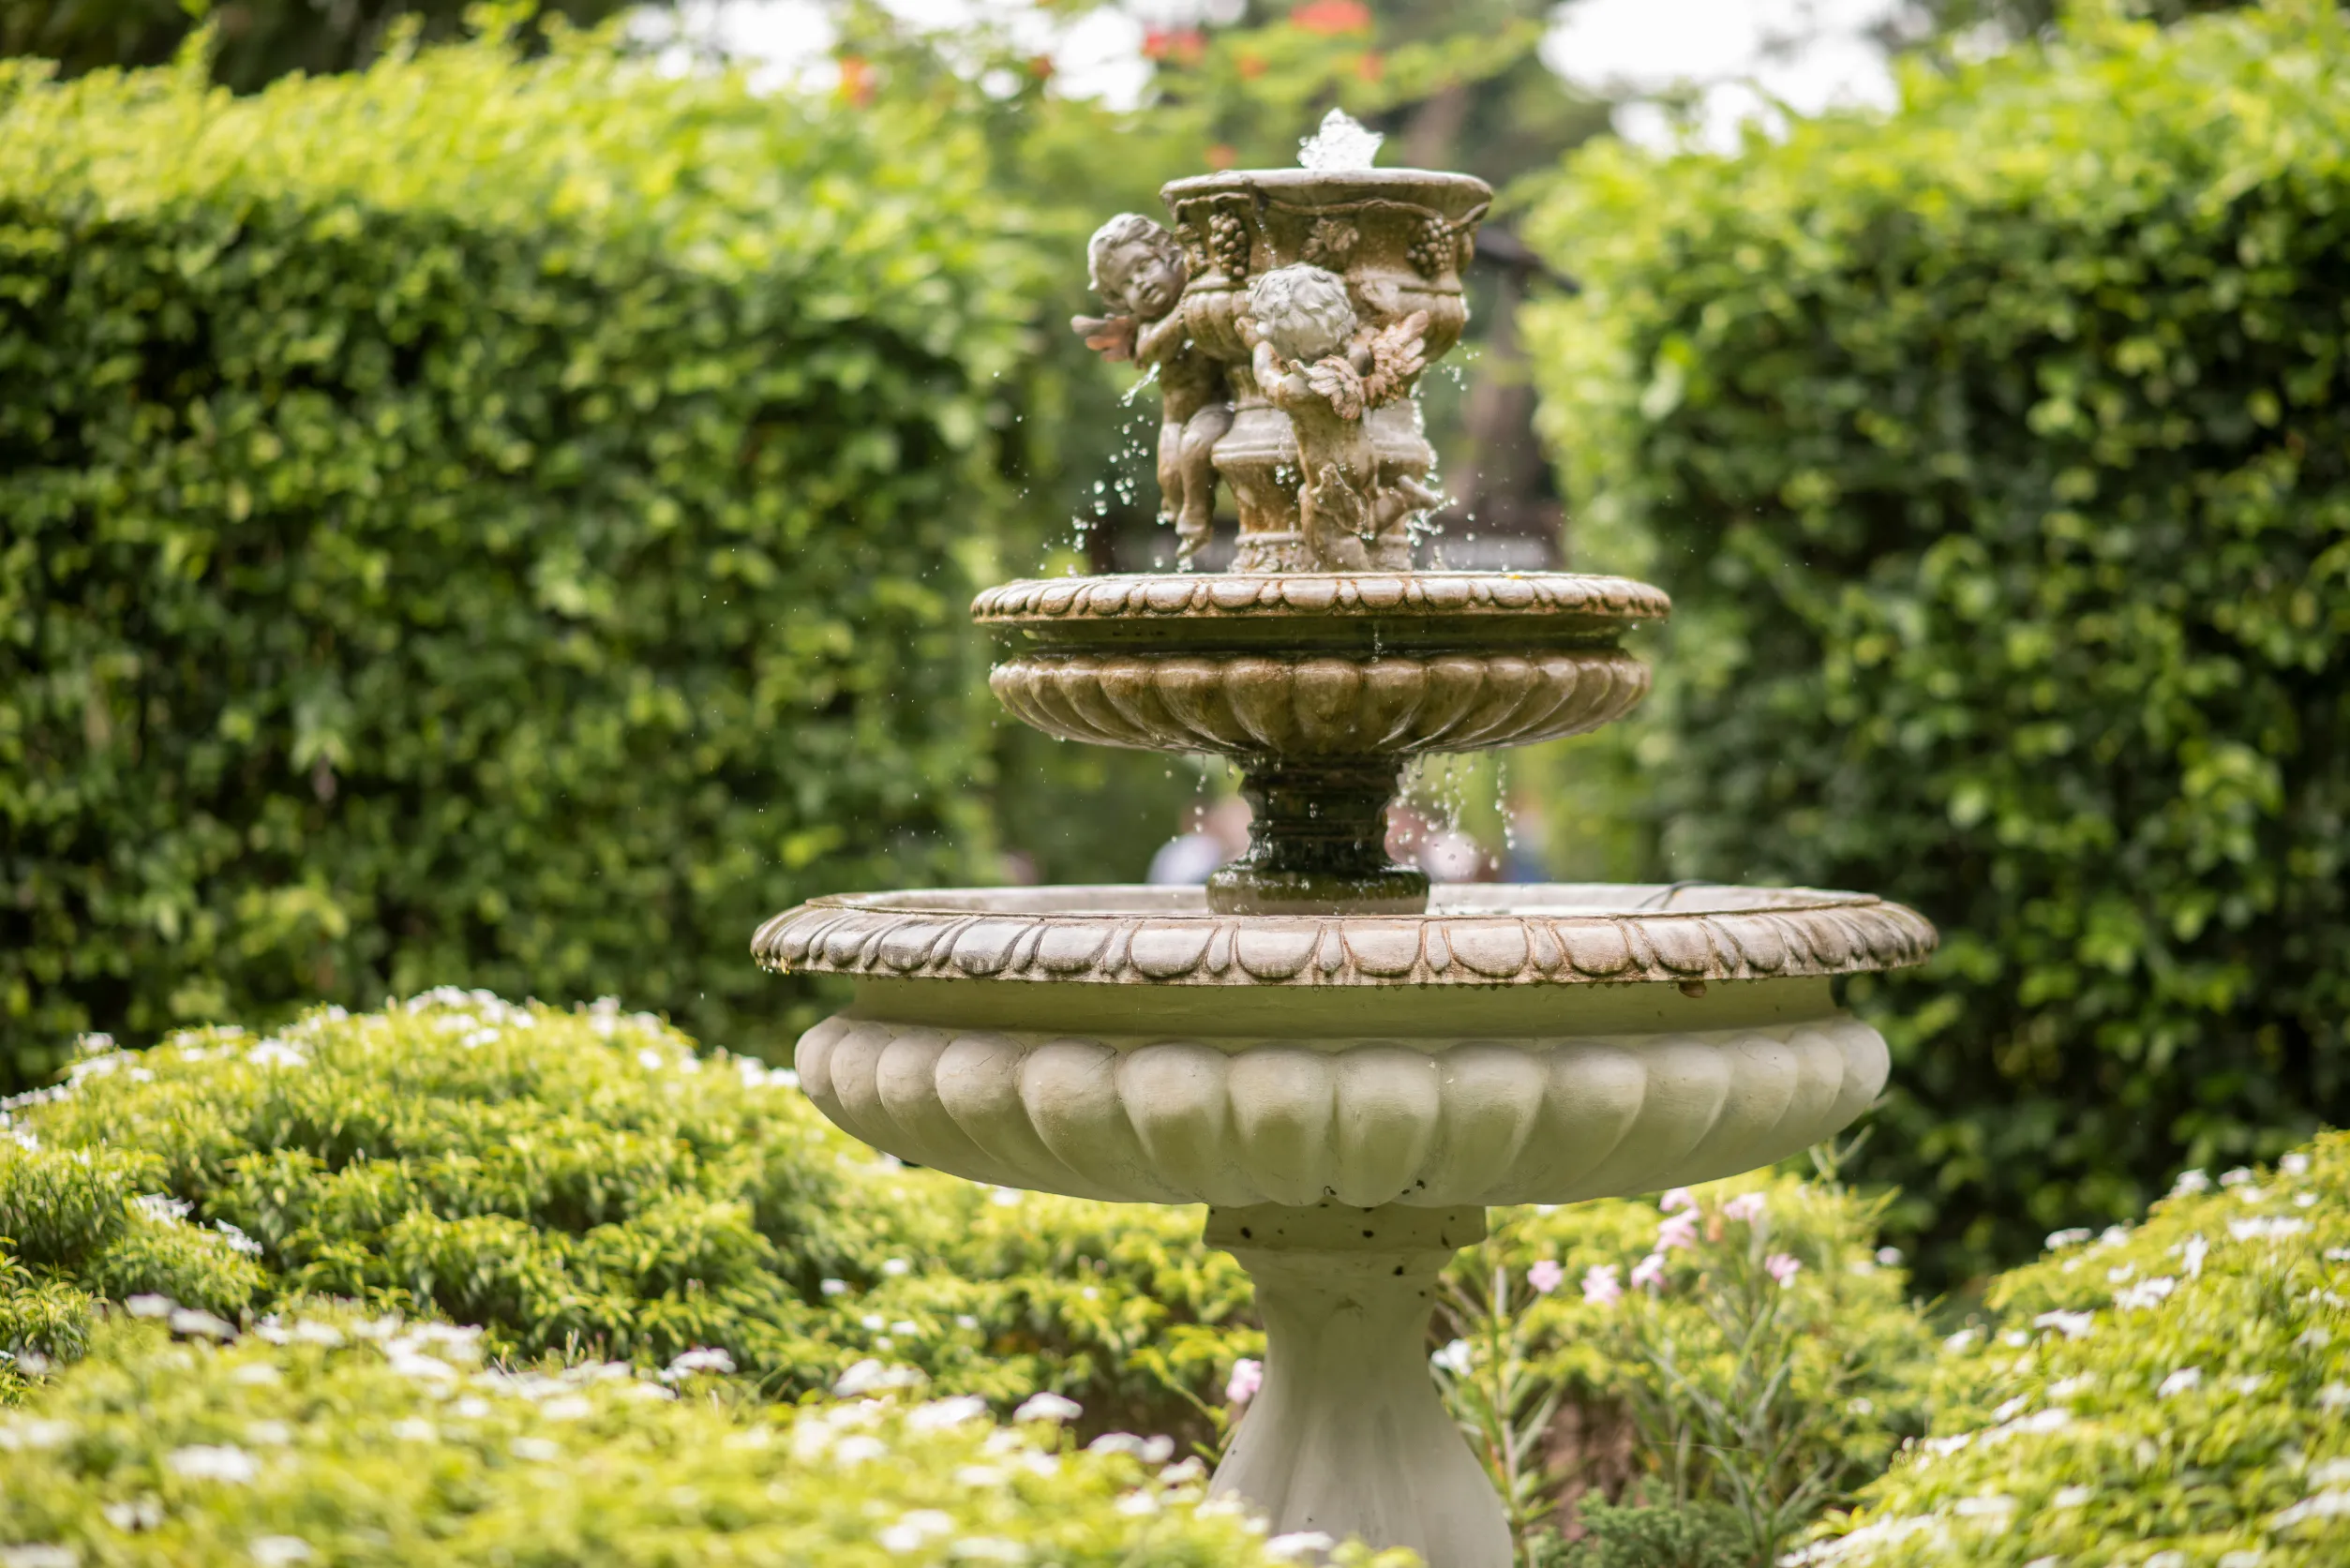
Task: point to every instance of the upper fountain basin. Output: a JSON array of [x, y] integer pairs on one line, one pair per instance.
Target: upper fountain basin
[[1300, 666]]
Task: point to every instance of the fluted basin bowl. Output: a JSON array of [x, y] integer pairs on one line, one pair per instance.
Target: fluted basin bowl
[[1307, 666], [1520, 1044]]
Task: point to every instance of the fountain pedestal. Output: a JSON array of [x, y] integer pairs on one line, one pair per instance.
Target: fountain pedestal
[[1347, 1436]]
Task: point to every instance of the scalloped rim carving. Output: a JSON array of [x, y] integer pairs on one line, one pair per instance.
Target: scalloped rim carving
[[1058, 600], [1782, 933]]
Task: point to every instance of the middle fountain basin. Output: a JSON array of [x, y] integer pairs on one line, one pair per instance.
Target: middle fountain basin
[[1541, 1044]]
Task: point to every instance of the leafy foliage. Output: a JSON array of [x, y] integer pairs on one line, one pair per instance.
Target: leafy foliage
[[327, 1438], [249, 42], [1994, 453], [477, 518], [582, 1181], [2172, 1393]]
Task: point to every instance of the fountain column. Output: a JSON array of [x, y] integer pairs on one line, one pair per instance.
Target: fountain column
[[1347, 1436]]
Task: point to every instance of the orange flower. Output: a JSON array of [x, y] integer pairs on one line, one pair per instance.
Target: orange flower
[[1331, 18], [1040, 65], [857, 83], [1370, 68], [1223, 155], [1182, 45], [1250, 67]]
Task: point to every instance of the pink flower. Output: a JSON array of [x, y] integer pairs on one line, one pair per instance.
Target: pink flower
[[1600, 1286], [1649, 1271], [1747, 1206], [1676, 1200], [1679, 1230], [1247, 1378], [1782, 1268], [1544, 1277]]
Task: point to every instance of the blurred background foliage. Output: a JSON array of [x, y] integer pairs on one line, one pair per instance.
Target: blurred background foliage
[[1861, 399], [1994, 454]]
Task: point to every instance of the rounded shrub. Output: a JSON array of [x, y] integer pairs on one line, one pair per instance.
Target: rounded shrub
[[329, 1437], [1994, 452], [2174, 1394], [478, 519], [582, 1180]]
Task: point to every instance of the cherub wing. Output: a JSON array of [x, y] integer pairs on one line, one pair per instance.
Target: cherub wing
[[1111, 336], [1398, 352], [1336, 379]]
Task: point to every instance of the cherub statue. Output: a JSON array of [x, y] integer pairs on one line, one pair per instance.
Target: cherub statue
[[1316, 364], [1138, 269]]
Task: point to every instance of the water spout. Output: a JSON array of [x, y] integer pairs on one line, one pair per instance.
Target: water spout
[[1342, 145]]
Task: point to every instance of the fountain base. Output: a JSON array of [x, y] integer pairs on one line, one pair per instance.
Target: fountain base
[[1348, 1435]]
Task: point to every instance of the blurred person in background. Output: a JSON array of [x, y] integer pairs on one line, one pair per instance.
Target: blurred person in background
[[1211, 835]]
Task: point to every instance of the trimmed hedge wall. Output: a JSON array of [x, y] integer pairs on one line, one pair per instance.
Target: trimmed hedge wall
[[1998, 457], [477, 520]]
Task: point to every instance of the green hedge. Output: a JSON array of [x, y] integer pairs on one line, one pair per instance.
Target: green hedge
[[1995, 454], [477, 521]]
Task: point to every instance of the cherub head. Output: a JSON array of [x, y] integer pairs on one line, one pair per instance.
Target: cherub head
[[1136, 266], [1302, 312]]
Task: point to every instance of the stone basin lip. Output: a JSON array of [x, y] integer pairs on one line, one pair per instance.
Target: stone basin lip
[[1520, 934], [1391, 612]]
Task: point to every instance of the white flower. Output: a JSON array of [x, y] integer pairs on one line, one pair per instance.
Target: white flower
[[213, 1462], [858, 1447], [570, 1407], [269, 1434], [940, 1414], [2072, 1325], [2241, 1176], [34, 1432], [163, 1207], [411, 1429], [2325, 1505], [538, 1450], [2145, 1294], [1297, 1544], [130, 1518], [149, 1305], [2167, 1559], [2265, 1228], [1138, 1504], [1454, 1358], [1048, 1406], [700, 1359], [833, 1287], [2073, 1497], [870, 1376], [38, 1554], [2296, 1164], [895, 1266], [276, 1053], [2194, 1249], [2181, 1382], [2333, 1396], [280, 1551], [187, 1320], [914, 1527], [2058, 1240]]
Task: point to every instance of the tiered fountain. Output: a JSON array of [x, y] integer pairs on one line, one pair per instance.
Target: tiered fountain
[[1343, 1064]]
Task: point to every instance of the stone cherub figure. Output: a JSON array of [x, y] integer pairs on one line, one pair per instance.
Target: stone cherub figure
[[1138, 269], [1315, 363]]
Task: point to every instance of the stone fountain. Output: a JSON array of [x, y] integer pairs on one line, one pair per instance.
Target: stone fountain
[[1344, 1063]]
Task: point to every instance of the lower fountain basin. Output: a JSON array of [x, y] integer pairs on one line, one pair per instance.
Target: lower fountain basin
[[1519, 1044]]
